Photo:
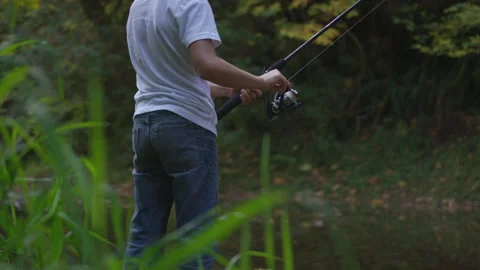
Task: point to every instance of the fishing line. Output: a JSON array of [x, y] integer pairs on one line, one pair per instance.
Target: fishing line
[[319, 54]]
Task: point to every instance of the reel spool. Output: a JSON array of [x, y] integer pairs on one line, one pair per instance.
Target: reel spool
[[288, 101]]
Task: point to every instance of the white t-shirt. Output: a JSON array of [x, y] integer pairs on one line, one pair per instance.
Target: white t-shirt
[[158, 35]]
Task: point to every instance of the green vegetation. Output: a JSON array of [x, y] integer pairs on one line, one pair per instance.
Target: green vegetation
[[378, 170], [50, 219]]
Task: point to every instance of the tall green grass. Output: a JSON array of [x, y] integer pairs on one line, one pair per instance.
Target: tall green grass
[[63, 221], [265, 180], [98, 155], [75, 219]]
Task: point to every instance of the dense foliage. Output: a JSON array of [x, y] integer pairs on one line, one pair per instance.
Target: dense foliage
[[406, 61]]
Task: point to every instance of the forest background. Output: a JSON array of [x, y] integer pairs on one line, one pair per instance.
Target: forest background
[[390, 117]]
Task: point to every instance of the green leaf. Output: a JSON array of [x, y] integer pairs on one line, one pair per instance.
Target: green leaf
[[95, 235], [10, 48], [455, 34], [12, 78], [81, 125]]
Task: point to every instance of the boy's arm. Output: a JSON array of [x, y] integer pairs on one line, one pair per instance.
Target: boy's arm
[[198, 32], [220, 91], [246, 95]]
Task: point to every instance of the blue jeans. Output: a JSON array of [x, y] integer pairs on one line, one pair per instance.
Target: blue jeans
[[175, 161]]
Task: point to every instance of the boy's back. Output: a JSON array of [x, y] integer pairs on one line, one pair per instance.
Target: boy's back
[[158, 35]]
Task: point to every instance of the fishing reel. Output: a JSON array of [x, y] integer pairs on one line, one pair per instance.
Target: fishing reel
[[282, 102]]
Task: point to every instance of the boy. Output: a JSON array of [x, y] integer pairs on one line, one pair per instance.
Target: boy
[[172, 49]]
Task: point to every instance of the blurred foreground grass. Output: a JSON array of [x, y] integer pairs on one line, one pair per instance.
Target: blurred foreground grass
[[74, 218]]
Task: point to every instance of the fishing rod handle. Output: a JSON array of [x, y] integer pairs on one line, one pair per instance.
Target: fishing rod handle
[[236, 100], [228, 106]]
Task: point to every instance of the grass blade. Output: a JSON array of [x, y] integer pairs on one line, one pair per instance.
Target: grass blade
[[12, 78], [217, 257], [61, 88], [249, 253], [286, 241], [10, 48], [265, 179], [245, 263], [95, 235], [14, 14], [58, 240], [221, 229], [51, 211], [116, 220], [98, 154], [81, 125]]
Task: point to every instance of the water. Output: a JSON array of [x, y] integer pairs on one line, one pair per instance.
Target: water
[[413, 235], [405, 235], [378, 238]]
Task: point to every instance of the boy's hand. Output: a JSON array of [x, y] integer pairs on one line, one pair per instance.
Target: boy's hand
[[248, 95], [274, 80]]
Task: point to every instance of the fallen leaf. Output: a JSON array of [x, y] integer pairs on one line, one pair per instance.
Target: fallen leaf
[[319, 178], [413, 122], [306, 225], [339, 177], [318, 223], [334, 167], [228, 171], [350, 199], [376, 203], [278, 181], [305, 167], [402, 184], [372, 180]]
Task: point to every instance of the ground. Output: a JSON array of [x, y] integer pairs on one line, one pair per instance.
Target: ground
[[399, 202]]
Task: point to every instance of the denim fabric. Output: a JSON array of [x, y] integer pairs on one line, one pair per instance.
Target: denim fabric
[[175, 161]]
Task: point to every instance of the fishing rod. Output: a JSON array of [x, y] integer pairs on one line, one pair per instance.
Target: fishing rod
[[288, 100]]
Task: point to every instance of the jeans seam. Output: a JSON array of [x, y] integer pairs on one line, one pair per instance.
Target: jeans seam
[[207, 154], [136, 141]]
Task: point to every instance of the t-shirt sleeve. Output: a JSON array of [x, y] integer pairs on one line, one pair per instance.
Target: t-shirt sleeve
[[196, 21]]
